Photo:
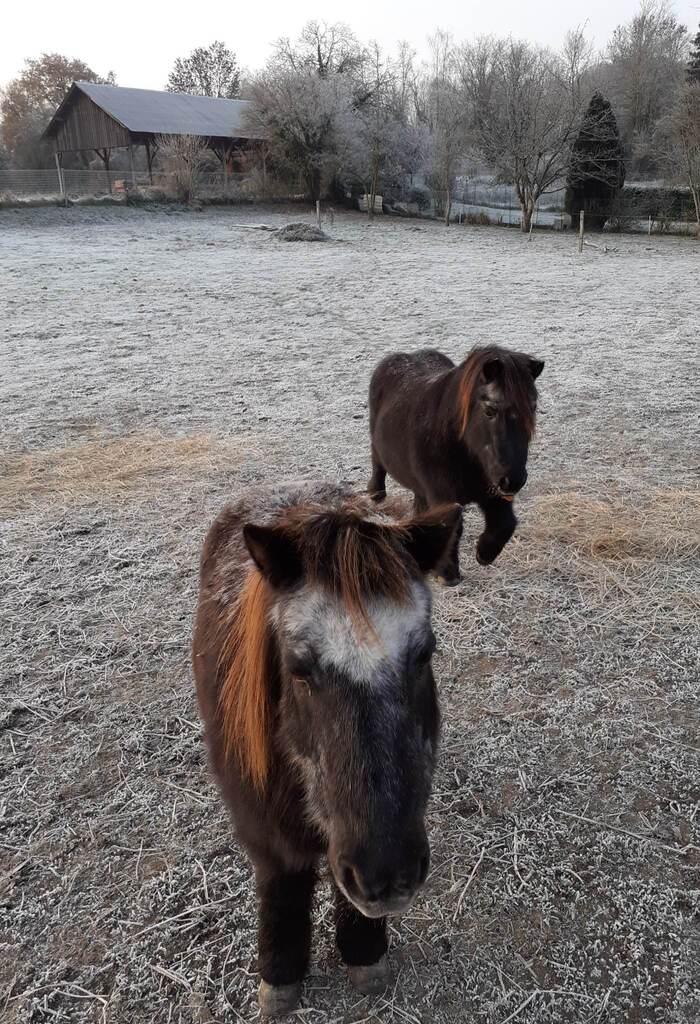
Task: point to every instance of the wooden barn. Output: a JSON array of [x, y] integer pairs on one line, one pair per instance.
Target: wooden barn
[[102, 118]]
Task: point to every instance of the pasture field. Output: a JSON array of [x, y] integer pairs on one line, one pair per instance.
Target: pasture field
[[152, 364]]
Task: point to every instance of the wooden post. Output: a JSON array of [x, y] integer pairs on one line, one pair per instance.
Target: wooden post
[[61, 180], [131, 162], [318, 212], [149, 160], [580, 231], [649, 225]]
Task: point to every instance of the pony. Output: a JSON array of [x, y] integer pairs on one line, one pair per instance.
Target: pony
[[312, 656], [456, 434]]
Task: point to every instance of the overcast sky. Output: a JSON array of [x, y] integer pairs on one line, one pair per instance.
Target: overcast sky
[[140, 41]]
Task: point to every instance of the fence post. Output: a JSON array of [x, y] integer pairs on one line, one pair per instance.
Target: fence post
[[61, 179], [318, 212], [580, 231]]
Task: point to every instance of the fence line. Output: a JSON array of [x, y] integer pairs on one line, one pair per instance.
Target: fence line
[[91, 182]]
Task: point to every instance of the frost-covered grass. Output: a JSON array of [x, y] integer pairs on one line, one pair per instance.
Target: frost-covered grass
[[153, 365]]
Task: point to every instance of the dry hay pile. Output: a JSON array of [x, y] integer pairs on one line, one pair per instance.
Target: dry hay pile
[[105, 467], [299, 232]]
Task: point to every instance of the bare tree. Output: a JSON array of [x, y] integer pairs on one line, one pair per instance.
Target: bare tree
[[644, 67], [678, 139], [182, 157], [383, 145], [208, 71], [322, 48], [304, 117], [525, 105], [443, 110]]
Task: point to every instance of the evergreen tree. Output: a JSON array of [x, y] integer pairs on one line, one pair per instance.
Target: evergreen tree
[[596, 168], [694, 62]]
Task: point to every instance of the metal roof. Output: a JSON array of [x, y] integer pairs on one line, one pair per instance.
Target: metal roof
[[148, 111]]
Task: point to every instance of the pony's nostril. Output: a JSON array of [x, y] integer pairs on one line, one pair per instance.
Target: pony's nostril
[[381, 893], [349, 879], [504, 483]]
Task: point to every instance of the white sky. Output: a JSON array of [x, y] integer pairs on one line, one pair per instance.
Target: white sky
[[140, 41]]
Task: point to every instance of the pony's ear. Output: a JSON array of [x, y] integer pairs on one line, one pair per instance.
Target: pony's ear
[[492, 370], [274, 552], [430, 534], [536, 367]]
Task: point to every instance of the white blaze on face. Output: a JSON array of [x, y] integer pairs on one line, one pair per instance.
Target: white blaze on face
[[320, 623]]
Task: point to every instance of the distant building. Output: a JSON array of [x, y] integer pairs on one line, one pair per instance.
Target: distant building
[[101, 118]]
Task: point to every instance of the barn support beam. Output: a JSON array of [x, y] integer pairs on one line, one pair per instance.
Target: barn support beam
[[131, 164], [149, 159]]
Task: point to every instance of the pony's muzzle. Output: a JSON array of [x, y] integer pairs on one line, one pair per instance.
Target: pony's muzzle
[[380, 889], [512, 483]]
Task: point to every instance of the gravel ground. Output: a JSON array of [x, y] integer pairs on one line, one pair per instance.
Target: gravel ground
[[152, 365]]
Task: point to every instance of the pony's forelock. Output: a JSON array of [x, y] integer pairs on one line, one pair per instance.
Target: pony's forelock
[[518, 385]]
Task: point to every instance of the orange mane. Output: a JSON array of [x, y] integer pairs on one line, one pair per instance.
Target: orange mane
[[246, 658]]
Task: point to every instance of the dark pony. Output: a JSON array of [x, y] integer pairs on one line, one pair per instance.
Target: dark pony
[[311, 653], [456, 434]]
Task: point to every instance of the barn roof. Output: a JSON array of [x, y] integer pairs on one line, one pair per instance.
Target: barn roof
[[150, 112]]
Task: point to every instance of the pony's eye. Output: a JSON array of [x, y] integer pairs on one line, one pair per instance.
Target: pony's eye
[[302, 684], [490, 411], [299, 668]]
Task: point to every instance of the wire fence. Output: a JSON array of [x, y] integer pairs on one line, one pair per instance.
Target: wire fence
[[78, 183], [641, 206], [479, 201]]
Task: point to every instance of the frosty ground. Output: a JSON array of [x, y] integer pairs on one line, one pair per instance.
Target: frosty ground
[[154, 364]]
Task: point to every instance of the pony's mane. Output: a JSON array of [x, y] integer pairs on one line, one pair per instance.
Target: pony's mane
[[517, 382], [246, 659], [350, 555]]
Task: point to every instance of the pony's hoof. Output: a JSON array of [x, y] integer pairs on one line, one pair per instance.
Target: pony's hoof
[[370, 979], [449, 581], [377, 495], [277, 999], [483, 561]]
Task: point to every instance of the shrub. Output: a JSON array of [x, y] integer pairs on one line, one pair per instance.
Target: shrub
[[420, 196], [183, 157], [477, 217]]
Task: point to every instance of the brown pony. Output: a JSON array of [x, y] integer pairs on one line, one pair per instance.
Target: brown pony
[[456, 433], [312, 649]]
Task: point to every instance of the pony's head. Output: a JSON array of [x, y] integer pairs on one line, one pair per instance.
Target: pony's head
[[498, 403], [357, 712]]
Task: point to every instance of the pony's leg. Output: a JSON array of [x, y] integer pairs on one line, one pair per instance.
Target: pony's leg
[[500, 523], [377, 482], [284, 935], [448, 572], [363, 943]]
